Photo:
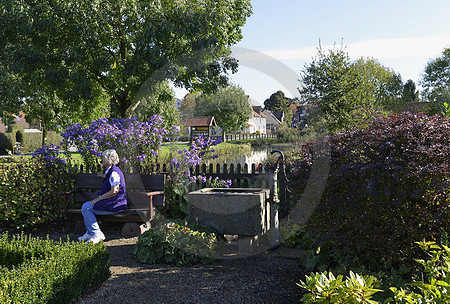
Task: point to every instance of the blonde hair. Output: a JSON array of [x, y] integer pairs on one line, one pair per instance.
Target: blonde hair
[[111, 156]]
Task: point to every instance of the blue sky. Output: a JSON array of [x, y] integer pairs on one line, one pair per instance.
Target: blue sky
[[282, 36]]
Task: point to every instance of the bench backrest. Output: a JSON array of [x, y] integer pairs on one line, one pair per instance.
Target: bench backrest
[[138, 185]]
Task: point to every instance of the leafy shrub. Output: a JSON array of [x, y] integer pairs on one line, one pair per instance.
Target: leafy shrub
[[326, 288], [298, 237], [45, 271], [286, 134], [172, 243], [435, 286], [29, 190], [432, 288], [387, 188]]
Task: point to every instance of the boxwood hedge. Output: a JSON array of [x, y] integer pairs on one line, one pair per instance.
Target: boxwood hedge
[[34, 270]]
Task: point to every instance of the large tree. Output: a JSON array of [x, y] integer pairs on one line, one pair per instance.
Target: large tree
[[410, 94], [436, 81], [343, 91], [83, 50], [162, 102], [229, 106], [279, 102]]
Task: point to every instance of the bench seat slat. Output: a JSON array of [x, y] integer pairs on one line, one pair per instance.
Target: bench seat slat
[[131, 215]]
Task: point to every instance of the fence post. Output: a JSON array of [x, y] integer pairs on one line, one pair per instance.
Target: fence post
[[274, 234]]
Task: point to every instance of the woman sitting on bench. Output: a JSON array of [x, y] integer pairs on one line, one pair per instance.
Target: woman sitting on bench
[[111, 199]]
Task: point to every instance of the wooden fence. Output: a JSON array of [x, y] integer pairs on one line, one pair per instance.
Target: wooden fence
[[248, 136], [242, 176]]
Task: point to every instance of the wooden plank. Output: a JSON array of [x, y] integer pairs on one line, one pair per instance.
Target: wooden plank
[[138, 200], [145, 182], [85, 196], [88, 181]]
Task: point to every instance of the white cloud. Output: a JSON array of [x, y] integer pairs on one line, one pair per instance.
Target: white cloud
[[411, 47]]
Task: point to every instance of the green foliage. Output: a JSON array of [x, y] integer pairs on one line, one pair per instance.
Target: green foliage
[[229, 106], [435, 286], [32, 141], [298, 237], [161, 102], [410, 94], [279, 102], [387, 188], [326, 288], [288, 135], [41, 271], [176, 244], [436, 81], [85, 52], [432, 286], [340, 88], [30, 190], [5, 143], [446, 111]]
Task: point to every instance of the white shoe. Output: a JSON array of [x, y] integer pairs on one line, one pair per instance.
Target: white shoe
[[96, 238], [85, 237]]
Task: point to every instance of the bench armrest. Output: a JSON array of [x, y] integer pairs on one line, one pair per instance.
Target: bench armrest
[[155, 193]]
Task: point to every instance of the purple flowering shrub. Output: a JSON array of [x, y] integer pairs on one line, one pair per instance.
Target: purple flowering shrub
[[387, 188], [49, 156], [181, 177], [136, 142]]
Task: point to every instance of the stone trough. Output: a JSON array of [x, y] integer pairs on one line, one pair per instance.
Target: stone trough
[[234, 211]]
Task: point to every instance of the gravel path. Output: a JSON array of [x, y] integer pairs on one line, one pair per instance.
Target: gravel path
[[266, 277]]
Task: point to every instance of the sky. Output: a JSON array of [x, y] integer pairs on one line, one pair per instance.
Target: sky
[[283, 36]]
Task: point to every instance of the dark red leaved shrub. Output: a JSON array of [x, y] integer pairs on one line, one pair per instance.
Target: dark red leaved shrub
[[388, 187]]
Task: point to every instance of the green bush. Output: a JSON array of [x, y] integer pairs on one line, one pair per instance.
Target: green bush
[[32, 141], [326, 288], [432, 286], [387, 188], [286, 134], [29, 192], [34, 270], [171, 243]]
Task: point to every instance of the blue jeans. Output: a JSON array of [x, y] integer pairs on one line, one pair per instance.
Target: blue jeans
[[90, 221]]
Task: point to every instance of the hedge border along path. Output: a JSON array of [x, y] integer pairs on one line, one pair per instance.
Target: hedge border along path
[[34, 270]]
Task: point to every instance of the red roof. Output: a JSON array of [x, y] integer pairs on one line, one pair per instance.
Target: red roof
[[200, 122]]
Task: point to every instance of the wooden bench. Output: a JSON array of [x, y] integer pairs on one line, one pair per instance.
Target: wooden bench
[[144, 193]]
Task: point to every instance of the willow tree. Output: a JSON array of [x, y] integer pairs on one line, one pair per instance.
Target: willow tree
[[83, 51]]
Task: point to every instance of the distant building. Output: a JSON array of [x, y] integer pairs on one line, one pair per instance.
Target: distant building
[[204, 126], [299, 113], [272, 122], [18, 120], [257, 123], [179, 103]]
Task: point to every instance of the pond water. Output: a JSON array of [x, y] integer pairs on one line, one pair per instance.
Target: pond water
[[258, 155]]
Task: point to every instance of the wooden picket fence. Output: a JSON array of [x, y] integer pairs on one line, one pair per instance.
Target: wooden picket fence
[[243, 136], [241, 175]]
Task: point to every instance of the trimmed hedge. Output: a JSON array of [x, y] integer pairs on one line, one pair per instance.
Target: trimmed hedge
[[34, 270], [387, 188], [29, 192]]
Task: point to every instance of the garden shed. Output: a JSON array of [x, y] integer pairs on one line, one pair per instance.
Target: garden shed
[[201, 126]]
